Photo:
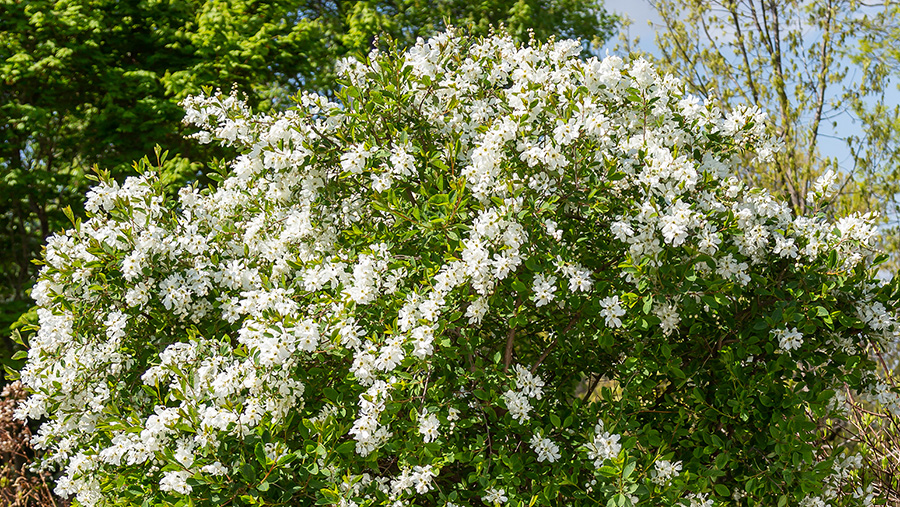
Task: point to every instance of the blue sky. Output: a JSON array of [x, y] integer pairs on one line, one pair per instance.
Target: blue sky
[[640, 13]]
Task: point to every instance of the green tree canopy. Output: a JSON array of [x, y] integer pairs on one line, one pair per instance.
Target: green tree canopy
[[97, 82]]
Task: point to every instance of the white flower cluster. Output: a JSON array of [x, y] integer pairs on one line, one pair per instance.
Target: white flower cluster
[[545, 448], [825, 187], [697, 500], [788, 339], [428, 427], [603, 446], [418, 478], [665, 470], [612, 310], [368, 433], [518, 401], [494, 496], [168, 328]]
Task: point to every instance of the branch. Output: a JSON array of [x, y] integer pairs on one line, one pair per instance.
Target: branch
[[553, 343], [510, 339], [825, 56], [543, 356], [740, 40]]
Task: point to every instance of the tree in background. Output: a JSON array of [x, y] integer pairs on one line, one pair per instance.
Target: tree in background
[[800, 61], [98, 82], [878, 54]]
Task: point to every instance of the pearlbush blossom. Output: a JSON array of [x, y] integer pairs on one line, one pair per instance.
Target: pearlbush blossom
[[491, 274]]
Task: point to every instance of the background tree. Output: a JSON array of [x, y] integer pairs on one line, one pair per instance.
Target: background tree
[[877, 149], [97, 82], [801, 61]]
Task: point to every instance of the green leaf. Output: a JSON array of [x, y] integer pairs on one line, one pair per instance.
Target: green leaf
[[348, 447], [248, 472], [439, 200], [648, 304], [260, 452], [629, 468]]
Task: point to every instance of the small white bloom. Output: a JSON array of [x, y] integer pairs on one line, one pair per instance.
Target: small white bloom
[[664, 470], [530, 385], [494, 496], [825, 187], [545, 448], [788, 339], [668, 316], [518, 405], [612, 310], [176, 482], [543, 287], [428, 427], [603, 446]]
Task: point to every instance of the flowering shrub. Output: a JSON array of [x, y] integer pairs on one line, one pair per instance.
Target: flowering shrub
[[395, 298]]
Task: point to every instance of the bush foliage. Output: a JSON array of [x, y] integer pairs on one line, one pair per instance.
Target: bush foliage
[[488, 274]]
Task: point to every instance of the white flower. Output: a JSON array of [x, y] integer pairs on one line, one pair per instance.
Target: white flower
[[115, 325], [664, 470], [176, 482], [785, 247], [216, 469], [381, 182], [622, 230], [418, 478], [494, 496], [812, 501], [612, 310], [529, 385], [668, 316], [565, 132], [552, 230], [422, 340], [354, 160], [825, 187], [728, 267], [858, 227], [518, 405], [476, 310], [642, 72], [545, 448], [604, 446], [422, 478], [676, 224], [876, 316], [428, 427], [690, 107], [543, 288], [698, 500], [402, 162], [788, 339]]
